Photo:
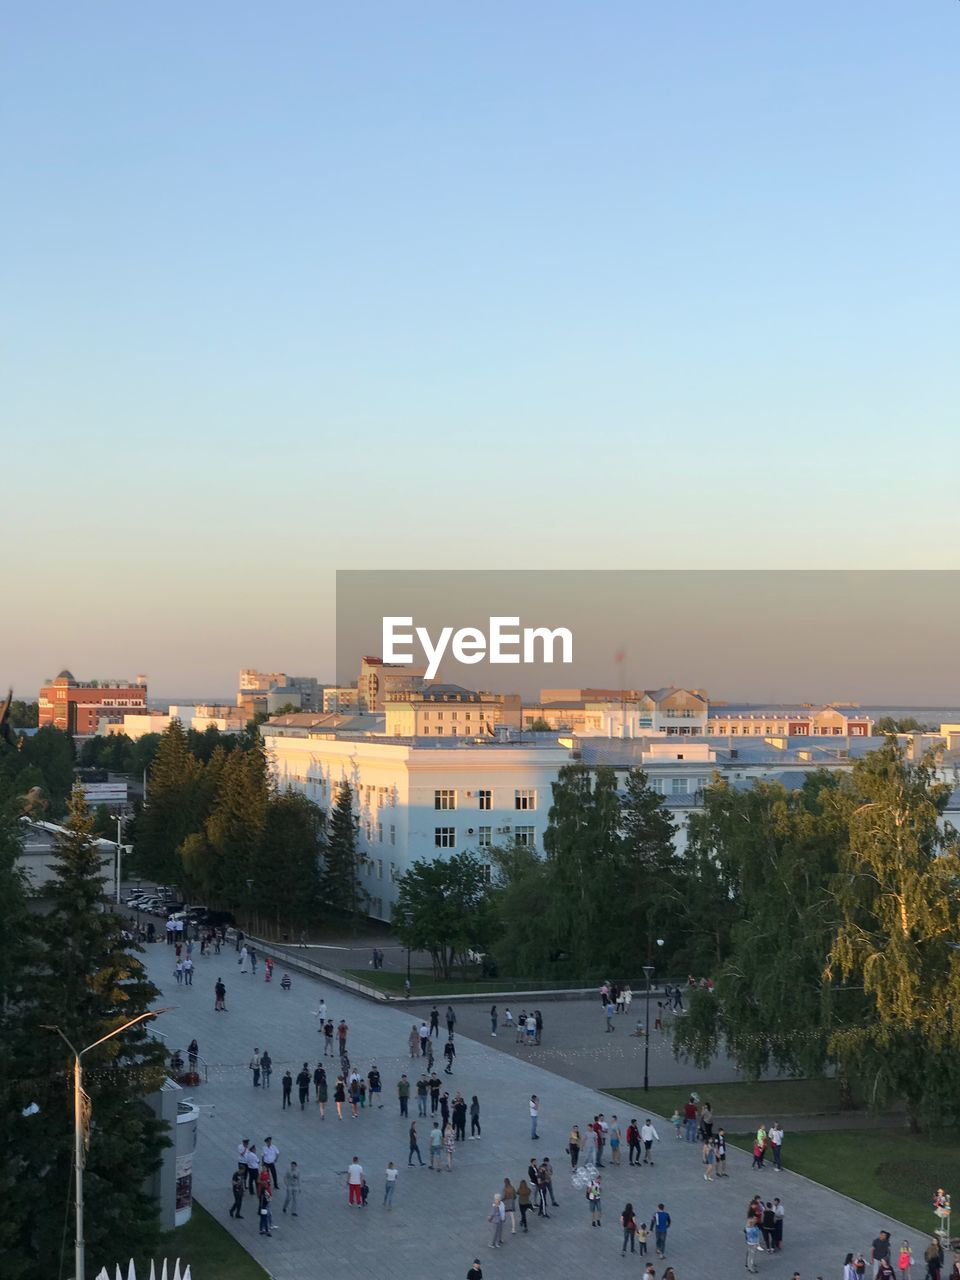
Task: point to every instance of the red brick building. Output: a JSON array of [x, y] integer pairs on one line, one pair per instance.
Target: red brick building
[[77, 706]]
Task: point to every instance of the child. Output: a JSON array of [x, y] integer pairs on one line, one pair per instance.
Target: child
[[658, 1020], [642, 1232], [676, 1121], [285, 982], [364, 1192], [905, 1260]]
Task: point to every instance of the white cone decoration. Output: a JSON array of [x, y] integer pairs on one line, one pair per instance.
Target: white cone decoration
[[153, 1270], [131, 1271]]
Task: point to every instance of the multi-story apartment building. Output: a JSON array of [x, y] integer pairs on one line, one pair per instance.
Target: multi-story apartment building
[[804, 721], [341, 697], [268, 690], [630, 714], [421, 799], [448, 711], [80, 706], [379, 679]]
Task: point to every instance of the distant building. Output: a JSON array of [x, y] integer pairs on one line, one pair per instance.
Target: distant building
[[631, 714], [803, 721], [448, 711], [379, 678], [38, 854], [257, 687], [138, 726], [79, 707], [341, 697]]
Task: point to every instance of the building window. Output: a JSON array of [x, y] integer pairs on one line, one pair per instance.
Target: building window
[[487, 871], [485, 799], [379, 868], [445, 837], [484, 837], [439, 715], [524, 799], [393, 834], [526, 836], [445, 799], [393, 872], [678, 786], [380, 832]]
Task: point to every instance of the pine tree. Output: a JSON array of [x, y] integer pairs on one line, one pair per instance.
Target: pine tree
[[235, 828], [340, 883], [292, 848], [173, 809], [88, 982]]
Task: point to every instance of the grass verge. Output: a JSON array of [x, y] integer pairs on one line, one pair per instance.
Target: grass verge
[[774, 1099], [893, 1171], [425, 987], [211, 1250]]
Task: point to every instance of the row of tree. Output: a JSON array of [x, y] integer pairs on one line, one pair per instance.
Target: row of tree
[[40, 763], [216, 825], [65, 964]]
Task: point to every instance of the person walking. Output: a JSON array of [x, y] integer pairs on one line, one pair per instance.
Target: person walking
[[414, 1146], [474, 1117], [193, 1054], [633, 1144], [390, 1184], [459, 1116], [509, 1198], [496, 1216], [628, 1220], [905, 1260], [615, 1140], [775, 1135], [933, 1257], [751, 1235], [546, 1180], [291, 1185], [255, 1068], [318, 1076], [449, 1052], [237, 1187], [643, 1232], [768, 1221], [436, 1146], [493, 1021], [573, 1146], [709, 1160], [524, 1201], [342, 1030], [451, 1020], [355, 1182], [188, 971], [375, 1085], [270, 1155], [779, 1215], [538, 1187], [328, 1037], [414, 1042], [720, 1145], [594, 1193], [252, 1161], [423, 1089], [648, 1135], [690, 1119], [266, 1068], [435, 1022], [403, 1093], [303, 1085], [286, 1085], [879, 1249], [435, 1086], [339, 1096], [660, 1225], [609, 1013], [534, 1116], [220, 997], [243, 959], [263, 1209], [178, 971], [424, 1034], [449, 1141], [538, 1026]]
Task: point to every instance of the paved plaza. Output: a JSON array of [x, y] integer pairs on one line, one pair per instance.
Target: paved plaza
[[438, 1224]]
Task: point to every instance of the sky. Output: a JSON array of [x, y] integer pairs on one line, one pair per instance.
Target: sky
[[301, 288]]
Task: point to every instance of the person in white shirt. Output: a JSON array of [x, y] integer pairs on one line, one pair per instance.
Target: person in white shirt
[[321, 1014], [390, 1185], [355, 1182], [252, 1161], [775, 1134], [270, 1155], [534, 1116], [648, 1136], [521, 1028], [508, 1018]]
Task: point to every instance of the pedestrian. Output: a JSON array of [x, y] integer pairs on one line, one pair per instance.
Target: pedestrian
[[255, 1068], [342, 1030], [287, 1086], [459, 1118], [776, 1142], [522, 1028], [643, 1232], [628, 1220], [496, 1216], [266, 1067], [905, 1259], [435, 1086], [594, 1192], [270, 1155], [414, 1042], [538, 1025], [475, 1272], [291, 1183], [403, 1093], [615, 1140], [573, 1146], [355, 1182], [188, 971], [236, 1185], [523, 1201], [879, 1250], [493, 1021], [435, 1022], [534, 1116], [436, 1146], [390, 1184], [751, 1235], [709, 1160], [414, 1146], [933, 1256], [449, 1142], [474, 1117], [449, 1052], [660, 1225], [690, 1119], [767, 1223], [328, 1037], [633, 1143], [220, 994], [253, 1168], [252, 957], [604, 995], [375, 1085], [178, 972], [423, 1089], [451, 1020], [303, 1085], [507, 1018], [720, 1143], [243, 959], [321, 1014], [531, 1029], [285, 982], [609, 1013], [648, 1135], [193, 1054], [354, 1094], [778, 1213], [509, 1199], [538, 1187], [546, 1180], [424, 1034], [263, 1209], [706, 1121], [760, 1147]]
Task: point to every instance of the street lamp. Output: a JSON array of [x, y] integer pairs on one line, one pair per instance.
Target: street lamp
[[118, 819], [78, 1096], [648, 974], [407, 920], [138, 908]]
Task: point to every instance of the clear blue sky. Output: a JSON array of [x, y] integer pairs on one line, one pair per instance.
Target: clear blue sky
[[303, 286]]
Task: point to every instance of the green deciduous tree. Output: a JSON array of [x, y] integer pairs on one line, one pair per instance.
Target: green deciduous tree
[[444, 907]]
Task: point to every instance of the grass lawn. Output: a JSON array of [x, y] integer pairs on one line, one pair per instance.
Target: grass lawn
[[893, 1171], [774, 1098], [211, 1250]]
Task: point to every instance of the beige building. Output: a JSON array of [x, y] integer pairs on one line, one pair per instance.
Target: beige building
[[802, 721], [449, 711], [341, 697], [378, 679], [630, 714]]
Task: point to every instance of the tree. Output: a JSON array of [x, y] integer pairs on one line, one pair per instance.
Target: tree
[[340, 879], [898, 894], [648, 889], [173, 808], [444, 907], [24, 715], [292, 847], [88, 981], [50, 751], [235, 827], [520, 888], [539, 725], [907, 724]]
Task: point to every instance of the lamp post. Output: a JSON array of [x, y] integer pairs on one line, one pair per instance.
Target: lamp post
[[78, 1095], [648, 974], [118, 819], [407, 918], [138, 909]]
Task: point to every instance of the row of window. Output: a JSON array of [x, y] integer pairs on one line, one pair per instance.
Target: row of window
[[523, 798], [446, 837], [370, 831], [799, 730]]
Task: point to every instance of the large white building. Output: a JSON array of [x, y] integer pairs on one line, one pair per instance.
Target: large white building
[[420, 799]]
